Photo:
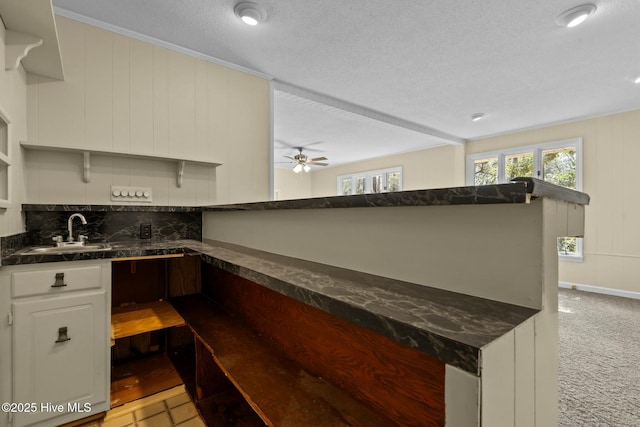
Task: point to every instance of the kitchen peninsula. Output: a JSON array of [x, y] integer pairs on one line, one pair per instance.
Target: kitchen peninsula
[[459, 284]]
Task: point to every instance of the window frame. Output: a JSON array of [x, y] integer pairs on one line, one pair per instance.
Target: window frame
[[537, 150], [368, 175]]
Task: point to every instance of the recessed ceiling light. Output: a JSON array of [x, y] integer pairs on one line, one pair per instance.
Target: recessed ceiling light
[[250, 13], [477, 116], [576, 15]]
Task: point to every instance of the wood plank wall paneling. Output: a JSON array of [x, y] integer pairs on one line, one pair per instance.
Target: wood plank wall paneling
[[130, 96], [404, 384]]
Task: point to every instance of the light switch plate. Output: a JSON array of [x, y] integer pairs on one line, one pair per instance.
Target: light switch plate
[[120, 193]]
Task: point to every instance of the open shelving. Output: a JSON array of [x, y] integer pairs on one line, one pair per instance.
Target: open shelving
[[145, 327], [140, 318], [181, 162], [233, 363]]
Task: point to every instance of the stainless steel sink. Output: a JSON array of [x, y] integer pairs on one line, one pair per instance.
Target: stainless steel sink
[[74, 248]]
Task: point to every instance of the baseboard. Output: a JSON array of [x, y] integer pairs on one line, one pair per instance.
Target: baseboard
[[599, 290]]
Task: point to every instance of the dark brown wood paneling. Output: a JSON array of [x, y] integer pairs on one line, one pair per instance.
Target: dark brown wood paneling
[[183, 359], [138, 281], [179, 337], [401, 383], [280, 392], [210, 380], [228, 409], [135, 346], [184, 276]]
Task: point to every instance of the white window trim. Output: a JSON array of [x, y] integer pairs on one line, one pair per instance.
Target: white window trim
[[367, 175], [537, 149]]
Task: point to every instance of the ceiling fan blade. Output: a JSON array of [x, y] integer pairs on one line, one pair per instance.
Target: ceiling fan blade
[[289, 157], [312, 143], [317, 164], [318, 158], [284, 144]]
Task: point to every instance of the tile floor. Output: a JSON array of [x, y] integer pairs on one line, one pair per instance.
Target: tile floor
[[170, 408]]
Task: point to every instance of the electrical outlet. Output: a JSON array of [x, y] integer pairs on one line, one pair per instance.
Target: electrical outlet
[[120, 193], [145, 231]]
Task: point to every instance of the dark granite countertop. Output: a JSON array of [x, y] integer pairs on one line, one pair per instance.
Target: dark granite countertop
[[520, 190], [118, 250], [450, 326], [108, 208]]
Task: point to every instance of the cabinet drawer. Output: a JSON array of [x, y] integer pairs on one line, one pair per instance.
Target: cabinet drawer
[[55, 280]]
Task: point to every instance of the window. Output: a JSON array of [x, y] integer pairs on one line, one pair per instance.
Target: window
[[347, 186], [485, 171], [378, 181], [557, 162]]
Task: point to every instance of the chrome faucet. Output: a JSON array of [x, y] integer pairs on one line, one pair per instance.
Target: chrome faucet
[[81, 238]]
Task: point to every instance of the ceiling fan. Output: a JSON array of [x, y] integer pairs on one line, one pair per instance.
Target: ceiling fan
[[302, 162]]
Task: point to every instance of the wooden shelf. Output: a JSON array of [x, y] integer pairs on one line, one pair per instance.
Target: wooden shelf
[[275, 386], [86, 158], [140, 378], [139, 318], [224, 409]]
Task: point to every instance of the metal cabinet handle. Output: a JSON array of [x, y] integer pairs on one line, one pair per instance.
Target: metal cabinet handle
[[59, 283], [62, 335]]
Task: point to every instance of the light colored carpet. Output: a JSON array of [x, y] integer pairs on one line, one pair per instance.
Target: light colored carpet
[[599, 360]]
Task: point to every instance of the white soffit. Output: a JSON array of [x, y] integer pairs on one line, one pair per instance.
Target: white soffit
[[323, 129]]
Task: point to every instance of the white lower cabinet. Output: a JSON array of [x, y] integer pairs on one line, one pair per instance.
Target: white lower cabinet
[[60, 343]]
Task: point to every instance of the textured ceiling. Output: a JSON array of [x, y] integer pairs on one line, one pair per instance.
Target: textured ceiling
[[428, 62]]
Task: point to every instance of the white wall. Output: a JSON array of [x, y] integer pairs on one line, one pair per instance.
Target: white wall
[[290, 185], [13, 102], [126, 95], [432, 168], [407, 243], [612, 220]]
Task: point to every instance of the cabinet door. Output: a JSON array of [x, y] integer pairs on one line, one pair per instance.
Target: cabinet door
[[57, 365]]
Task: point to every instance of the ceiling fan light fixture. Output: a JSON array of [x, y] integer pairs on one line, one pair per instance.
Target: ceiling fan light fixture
[[636, 79], [297, 168], [307, 168], [476, 116], [250, 13], [575, 16]]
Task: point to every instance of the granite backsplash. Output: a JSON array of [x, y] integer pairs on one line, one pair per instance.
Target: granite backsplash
[[113, 226]]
